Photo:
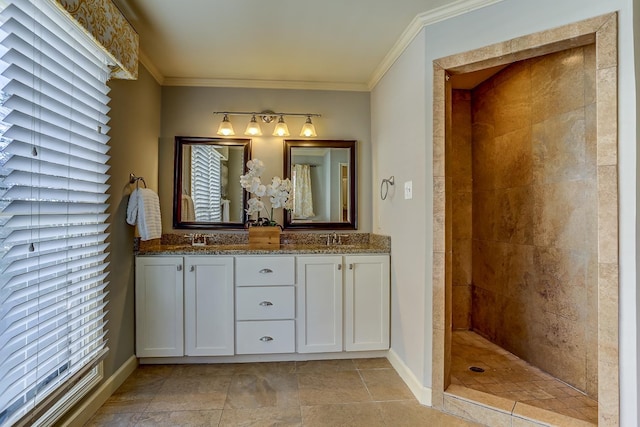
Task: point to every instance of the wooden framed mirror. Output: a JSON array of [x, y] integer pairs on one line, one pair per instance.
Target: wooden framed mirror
[[206, 194], [323, 174]]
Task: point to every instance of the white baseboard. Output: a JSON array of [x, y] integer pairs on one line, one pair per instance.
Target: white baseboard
[[422, 393], [85, 411]]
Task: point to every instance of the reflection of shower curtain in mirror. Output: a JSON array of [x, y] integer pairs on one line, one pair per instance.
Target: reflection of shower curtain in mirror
[[302, 197]]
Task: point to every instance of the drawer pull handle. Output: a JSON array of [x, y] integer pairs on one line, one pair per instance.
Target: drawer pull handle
[[192, 268], [266, 303], [179, 267], [339, 266], [266, 339], [266, 271]]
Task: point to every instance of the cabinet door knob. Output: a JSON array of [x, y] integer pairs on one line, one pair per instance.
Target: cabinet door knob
[[266, 303], [265, 271], [179, 267], [192, 268], [339, 266], [266, 339], [350, 266]]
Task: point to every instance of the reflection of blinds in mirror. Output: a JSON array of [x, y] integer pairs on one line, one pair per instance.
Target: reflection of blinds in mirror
[[205, 170]]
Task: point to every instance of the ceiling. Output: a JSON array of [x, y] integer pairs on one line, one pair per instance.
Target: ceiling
[[326, 44]]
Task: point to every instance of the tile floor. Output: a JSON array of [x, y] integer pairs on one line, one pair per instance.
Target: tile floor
[[510, 377], [352, 392]]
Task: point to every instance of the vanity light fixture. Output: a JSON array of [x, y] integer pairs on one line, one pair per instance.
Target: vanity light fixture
[[225, 128], [281, 128], [253, 128], [308, 129]]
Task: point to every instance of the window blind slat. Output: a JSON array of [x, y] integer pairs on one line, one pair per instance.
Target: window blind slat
[[53, 203]]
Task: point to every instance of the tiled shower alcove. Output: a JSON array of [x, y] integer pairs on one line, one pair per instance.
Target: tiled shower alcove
[[525, 216]]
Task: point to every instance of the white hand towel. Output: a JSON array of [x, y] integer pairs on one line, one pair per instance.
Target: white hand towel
[[143, 210]]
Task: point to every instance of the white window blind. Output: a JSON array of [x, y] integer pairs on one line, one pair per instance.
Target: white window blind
[[53, 201], [205, 170]]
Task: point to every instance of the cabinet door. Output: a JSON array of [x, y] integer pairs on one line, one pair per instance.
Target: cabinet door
[[209, 306], [159, 306], [367, 302], [319, 317]]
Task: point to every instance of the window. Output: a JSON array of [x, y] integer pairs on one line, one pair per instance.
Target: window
[[205, 169], [53, 202]]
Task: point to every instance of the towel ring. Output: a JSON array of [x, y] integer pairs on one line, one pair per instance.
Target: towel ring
[[136, 180], [384, 187]]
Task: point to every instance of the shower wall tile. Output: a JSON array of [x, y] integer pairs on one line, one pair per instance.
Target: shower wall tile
[[560, 215], [512, 89], [559, 148], [559, 347], [557, 84], [590, 74], [462, 253], [461, 311], [511, 158], [534, 213], [484, 319], [514, 215], [462, 205]]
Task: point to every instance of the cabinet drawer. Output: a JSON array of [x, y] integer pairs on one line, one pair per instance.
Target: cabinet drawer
[[261, 337], [259, 270], [265, 302]]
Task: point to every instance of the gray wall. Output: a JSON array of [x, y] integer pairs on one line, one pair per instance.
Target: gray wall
[[187, 111], [135, 124]]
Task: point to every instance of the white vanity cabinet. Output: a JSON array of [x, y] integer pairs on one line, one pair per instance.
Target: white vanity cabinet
[[343, 303], [184, 306], [159, 306], [366, 302], [208, 306], [319, 280], [265, 304]]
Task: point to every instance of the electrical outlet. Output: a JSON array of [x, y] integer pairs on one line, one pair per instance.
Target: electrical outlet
[[408, 190]]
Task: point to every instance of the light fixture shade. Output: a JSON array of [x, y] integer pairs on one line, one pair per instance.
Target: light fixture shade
[[253, 128], [308, 129], [281, 128], [225, 128]]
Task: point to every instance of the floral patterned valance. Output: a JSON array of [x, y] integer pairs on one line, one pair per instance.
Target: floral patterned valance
[[102, 20]]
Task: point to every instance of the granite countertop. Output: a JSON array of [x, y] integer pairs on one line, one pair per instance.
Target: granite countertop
[[298, 244]]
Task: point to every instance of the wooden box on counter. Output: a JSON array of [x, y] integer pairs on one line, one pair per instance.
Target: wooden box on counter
[[264, 237]]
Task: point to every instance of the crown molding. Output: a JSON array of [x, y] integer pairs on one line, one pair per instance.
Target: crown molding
[[419, 22], [265, 84], [422, 20], [151, 68]]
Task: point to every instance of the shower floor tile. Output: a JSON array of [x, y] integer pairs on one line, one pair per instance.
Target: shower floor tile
[[505, 375]]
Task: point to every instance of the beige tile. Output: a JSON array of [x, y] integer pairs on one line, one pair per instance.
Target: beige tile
[[325, 365], [531, 413], [462, 204], [475, 412], [197, 370], [103, 419], [123, 403], [589, 74], [185, 401], [331, 387], [607, 117], [180, 418], [385, 384], [372, 363], [266, 367], [259, 417], [257, 391], [412, 414], [195, 385], [353, 414], [607, 41], [607, 214], [513, 95]]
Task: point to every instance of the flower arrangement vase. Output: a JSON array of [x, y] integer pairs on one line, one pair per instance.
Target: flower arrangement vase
[[264, 237]]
